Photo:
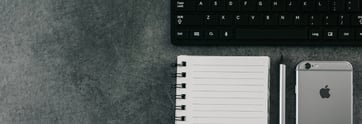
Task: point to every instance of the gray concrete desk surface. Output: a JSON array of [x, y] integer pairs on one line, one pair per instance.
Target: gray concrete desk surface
[[107, 62]]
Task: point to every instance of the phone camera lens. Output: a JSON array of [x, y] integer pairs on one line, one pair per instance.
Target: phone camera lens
[[308, 66]]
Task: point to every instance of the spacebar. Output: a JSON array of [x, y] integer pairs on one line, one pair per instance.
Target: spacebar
[[271, 33]]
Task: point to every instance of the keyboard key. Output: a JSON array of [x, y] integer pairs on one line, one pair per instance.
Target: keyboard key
[[233, 5], [263, 5], [241, 19], [270, 20], [285, 20], [315, 34], [269, 33], [217, 5], [349, 5], [184, 5], [300, 20], [248, 5], [315, 20], [346, 34], [323, 5], [181, 34], [330, 34], [357, 20], [180, 20], [344, 20], [255, 19], [330, 20], [293, 5], [352, 5], [189, 20], [333, 5], [212, 34], [278, 5], [211, 20], [225, 20], [339, 5], [196, 34], [202, 5], [359, 34], [226, 34], [308, 5]]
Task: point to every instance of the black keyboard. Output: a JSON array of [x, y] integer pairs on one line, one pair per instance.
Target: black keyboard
[[266, 22]]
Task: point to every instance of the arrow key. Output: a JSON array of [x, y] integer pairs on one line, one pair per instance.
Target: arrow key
[[330, 34], [346, 34], [315, 34], [359, 34]]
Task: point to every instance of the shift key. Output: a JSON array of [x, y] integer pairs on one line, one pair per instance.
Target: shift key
[[189, 20], [259, 34]]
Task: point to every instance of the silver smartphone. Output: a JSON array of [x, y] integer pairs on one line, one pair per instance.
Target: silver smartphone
[[324, 92]]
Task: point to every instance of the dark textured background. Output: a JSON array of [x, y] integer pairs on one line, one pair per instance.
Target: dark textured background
[[107, 62]]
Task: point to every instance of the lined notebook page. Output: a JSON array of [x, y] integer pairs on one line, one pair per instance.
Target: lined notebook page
[[224, 90]]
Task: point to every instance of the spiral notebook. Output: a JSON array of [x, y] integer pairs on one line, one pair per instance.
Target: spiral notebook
[[222, 90]]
